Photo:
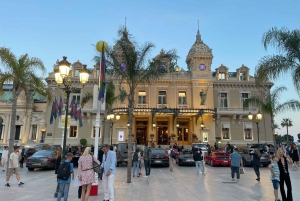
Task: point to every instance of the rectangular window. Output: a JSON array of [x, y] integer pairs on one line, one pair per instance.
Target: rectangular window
[[76, 74], [225, 131], [73, 131], [221, 76], [223, 100], [2, 132], [142, 97], [243, 76], [1, 128], [162, 97], [182, 98], [33, 132], [76, 96], [18, 133], [248, 131], [244, 97]]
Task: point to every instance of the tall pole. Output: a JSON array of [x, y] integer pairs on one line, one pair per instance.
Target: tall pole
[[66, 125], [257, 132], [111, 128]]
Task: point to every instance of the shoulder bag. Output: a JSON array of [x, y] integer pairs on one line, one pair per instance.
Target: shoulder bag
[[96, 166]]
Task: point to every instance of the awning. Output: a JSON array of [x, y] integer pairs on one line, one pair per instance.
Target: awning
[[226, 125], [248, 126]]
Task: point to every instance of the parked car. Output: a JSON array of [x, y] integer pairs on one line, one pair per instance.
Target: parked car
[[200, 145], [185, 158], [122, 152], [41, 159], [55, 147], [265, 159], [42, 147], [28, 151], [218, 158], [159, 157]]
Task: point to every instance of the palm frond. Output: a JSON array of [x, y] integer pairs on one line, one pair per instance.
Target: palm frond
[[86, 98], [290, 105], [8, 59]]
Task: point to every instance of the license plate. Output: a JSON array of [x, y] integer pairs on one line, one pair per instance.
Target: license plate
[[125, 159], [157, 161], [37, 164], [225, 161], [189, 160]]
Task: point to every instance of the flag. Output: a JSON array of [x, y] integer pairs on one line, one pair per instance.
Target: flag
[[71, 106], [78, 116], [60, 106], [51, 115], [55, 106], [74, 110], [102, 76]]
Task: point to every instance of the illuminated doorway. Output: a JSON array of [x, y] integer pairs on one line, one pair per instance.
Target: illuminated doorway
[[162, 133], [141, 132], [183, 133]]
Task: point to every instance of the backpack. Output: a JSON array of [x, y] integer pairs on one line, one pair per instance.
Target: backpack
[[135, 157], [64, 171], [172, 154]]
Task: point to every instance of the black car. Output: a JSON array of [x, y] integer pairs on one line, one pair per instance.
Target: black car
[[159, 157], [29, 152], [41, 159], [185, 158], [42, 147]]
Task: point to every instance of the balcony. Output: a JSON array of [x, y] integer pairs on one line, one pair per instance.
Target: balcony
[[142, 106], [183, 106], [237, 111], [161, 105]]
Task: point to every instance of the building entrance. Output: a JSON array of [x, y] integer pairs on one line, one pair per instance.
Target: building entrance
[[183, 134], [141, 132], [162, 133]]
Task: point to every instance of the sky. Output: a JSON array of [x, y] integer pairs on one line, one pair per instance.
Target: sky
[[233, 29]]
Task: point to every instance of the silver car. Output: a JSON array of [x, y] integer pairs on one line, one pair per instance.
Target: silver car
[[202, 146]]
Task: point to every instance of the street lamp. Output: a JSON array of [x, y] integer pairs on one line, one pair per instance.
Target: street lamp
[[202, 125], [177, 125], [62, 77], [110, 119], [257, 120]]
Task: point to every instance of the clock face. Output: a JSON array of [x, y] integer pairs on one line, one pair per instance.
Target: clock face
[[202, 67]]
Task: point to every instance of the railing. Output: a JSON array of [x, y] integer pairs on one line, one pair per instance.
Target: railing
[[236, 110], [142, 106], [162, 105], [183, 106]]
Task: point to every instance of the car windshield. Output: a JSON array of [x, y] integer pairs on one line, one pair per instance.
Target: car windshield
[[200, 145], [39, 146], [158, 151], [43, 154]]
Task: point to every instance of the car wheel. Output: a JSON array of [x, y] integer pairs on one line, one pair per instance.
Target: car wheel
[[179, 163], [30, 169], [212, 163]]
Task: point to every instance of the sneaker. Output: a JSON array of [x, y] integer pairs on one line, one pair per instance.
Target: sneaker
[[232, 179], [145, 176], [20, 183], [7, 185]]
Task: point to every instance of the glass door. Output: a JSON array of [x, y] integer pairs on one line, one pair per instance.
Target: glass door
[[162, 133], [183, 134], [141, 135]]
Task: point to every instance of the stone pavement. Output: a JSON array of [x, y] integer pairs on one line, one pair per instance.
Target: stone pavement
[[162, 185]]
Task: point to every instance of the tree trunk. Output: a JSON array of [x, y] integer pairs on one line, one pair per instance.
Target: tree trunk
[[287, 133], [130, 135], [273, 133]]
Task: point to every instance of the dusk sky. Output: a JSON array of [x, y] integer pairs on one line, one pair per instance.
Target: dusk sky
[[233, 29]]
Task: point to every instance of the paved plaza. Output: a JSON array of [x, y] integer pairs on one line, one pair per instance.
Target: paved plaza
[[162, 185]]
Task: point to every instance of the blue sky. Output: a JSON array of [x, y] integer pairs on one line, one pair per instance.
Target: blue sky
[[233, 29]]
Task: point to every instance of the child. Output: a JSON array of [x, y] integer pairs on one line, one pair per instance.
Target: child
[[275, 175], [64, 185]]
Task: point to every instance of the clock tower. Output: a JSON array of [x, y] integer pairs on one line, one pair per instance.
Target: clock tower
[[199, 59]]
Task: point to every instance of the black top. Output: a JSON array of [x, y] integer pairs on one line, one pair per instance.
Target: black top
[[100, 155], [57, 163], [283, 167], [197, 156], [256, 159]]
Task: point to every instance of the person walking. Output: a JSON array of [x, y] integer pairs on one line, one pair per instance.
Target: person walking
[[275, 175], [147, 160], [100, 157], [64, 184], [172, 157], [86, 174], [4, 158], [256, 162], [295, 157], [236, 164], [22, 156], [283, 162], [198, 158], [57, 163], [109, 172], [136, 157], [13, 167]]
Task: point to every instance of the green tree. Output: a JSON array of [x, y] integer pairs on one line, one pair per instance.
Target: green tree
[[131, 67], [286, 122], [272, 67], [271, 104], [22, 74]]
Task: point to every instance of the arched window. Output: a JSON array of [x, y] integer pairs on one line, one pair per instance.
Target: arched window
[[1, 127]]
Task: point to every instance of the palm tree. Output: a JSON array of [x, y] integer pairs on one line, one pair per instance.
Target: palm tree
[[287, 61], [286, 122], [21, 73], [271, 105], [130, 66]]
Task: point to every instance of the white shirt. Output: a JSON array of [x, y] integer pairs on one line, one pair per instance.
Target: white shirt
[[15, 158], [5, 154]]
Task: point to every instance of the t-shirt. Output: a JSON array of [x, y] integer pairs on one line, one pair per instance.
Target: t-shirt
[[68, 181], [5, 154], [276, 171], [15, 158], [235, 159]]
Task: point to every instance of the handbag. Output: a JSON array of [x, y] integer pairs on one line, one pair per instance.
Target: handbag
[[242, 171], [96, 166], [77, 183]]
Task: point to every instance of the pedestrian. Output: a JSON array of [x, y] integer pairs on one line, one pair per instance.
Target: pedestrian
[[256, 162], [236, 164], [172, 157], [147, 160], [4, 158], [100, 157], [275, 175], [295, 157], [64, 184], [198, 158], [86, 174], [136, 157], [283, 162], [92, 148], [57, 164], [13, 166], [22, 152], [109, 172]]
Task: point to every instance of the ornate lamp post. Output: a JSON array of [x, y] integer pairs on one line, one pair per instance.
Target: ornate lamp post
[[111, 118], [257, 120], [62, 77]]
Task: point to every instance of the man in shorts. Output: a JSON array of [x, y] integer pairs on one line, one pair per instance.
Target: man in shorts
[[13, 167]]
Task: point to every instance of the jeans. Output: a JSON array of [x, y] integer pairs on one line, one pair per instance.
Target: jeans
[[135, 168], [4, 163], [284, 177], [235, 170], [63, 190], [256, 170], [147, 167], [108, 187], [199, 164]]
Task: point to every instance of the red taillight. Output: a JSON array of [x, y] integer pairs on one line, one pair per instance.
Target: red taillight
[[48, 159], [27, 160], [166, 157]]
